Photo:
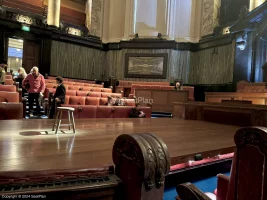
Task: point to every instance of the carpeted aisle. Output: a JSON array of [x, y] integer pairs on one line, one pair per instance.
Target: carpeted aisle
[[205, 185]]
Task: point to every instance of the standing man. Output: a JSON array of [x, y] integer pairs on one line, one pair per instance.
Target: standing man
[[36, 87]]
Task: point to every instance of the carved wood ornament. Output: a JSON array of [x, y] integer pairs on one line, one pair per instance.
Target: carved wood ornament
[[147, 161]]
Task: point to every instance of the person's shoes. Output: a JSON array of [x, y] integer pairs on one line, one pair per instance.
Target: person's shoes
[[31, 115]]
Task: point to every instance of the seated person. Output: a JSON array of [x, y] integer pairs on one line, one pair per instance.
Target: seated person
[[136, 112], [119, 102], [58, 98], [110, 101]]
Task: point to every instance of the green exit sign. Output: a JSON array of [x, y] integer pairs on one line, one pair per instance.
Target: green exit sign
[[25, 28]]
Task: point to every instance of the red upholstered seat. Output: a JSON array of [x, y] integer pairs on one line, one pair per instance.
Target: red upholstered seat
[[78, 84], [11, 111], [94, 94], [51, 85], [67, 99], [72, 87], [121, 111], [88, 111], [90, 84], [10, 96], [108, 90], [104, 112], [92, 101], [106, 94], [9, 77], [71, 92], [103, 101], [50, 81], [9, 82], [76, 100], [95, 89], [8, 88], [82, 93], [86, 88], [248, 174]]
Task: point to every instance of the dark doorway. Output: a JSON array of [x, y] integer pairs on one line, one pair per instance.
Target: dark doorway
[[31, 55]]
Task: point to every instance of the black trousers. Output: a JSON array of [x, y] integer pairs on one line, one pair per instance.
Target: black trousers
[[53, 107], [34, 97]]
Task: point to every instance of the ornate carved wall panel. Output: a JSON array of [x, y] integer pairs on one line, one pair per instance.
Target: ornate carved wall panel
[[210, 16], [75, 61], [96, 18], [212, 66], [178, 64]]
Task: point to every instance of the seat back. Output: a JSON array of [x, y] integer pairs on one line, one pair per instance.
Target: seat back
[[11, 111], [9, 97], [249, 168], [76, 100], [8, 88], [9, 82]]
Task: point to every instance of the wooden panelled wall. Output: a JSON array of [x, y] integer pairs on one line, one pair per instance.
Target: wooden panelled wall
[[75, 61], [211, 66], [178, 63]]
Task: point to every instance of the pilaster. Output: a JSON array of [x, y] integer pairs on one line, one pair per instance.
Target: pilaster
[[210, 16], [53, 13]]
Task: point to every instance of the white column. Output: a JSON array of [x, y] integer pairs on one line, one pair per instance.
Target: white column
[[171, 19], [88, 11], [53, 13], [130, 8], [116, 21]]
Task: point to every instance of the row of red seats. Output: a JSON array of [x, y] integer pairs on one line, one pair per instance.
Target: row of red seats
[[130, 83], [52, 83], [52, 78], [83, 93], [82, 88], [96, 101], [89, 111]]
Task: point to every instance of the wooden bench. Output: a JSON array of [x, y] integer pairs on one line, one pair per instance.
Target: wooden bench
[[217, 97], [161, 100], [235, 114]]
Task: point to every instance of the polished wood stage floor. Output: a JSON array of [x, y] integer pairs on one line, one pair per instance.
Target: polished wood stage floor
[[31, 145]]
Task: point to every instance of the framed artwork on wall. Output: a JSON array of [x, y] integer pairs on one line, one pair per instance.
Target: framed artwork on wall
[[138, 65]]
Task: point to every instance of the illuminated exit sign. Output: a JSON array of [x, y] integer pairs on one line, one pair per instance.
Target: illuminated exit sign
[[25, 28]]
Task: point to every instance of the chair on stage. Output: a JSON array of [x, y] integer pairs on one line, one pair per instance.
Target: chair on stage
[[248, 178], [71, 123]]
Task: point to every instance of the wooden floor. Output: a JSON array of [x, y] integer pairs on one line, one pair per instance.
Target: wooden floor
[[31, 145]]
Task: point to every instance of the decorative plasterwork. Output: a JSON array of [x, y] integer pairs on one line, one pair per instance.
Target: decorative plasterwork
[[207, 19], [95, 28], [210, 16]]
